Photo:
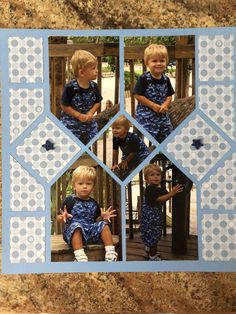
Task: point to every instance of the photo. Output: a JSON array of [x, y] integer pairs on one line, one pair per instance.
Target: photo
[[159, 75], [123, 147], [84, 82], [161, 214], [85, 215]]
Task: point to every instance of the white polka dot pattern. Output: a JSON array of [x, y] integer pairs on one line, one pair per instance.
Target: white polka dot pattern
[[25, 106], [217, 102], [219, 191], [47, 163], [219, 237], [216, 58], [25, 59], [26, 193], [27, 240], [197, 161]]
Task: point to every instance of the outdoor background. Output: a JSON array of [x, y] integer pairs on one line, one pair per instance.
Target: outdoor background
[[117, 292]]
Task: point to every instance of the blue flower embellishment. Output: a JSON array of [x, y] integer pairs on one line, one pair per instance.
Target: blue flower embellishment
[[197, 143], [48, 145]]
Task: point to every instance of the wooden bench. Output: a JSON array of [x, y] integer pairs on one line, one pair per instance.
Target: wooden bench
[[61, 252]]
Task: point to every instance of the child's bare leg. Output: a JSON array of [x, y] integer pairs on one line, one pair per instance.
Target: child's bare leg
[[77, 245], [111, 255], [106, 236], [76, 240], [153, 250]]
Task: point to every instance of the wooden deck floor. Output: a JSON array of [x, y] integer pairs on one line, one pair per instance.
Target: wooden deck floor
[[135, 249]]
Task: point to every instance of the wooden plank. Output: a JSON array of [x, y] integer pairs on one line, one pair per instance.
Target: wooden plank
[[98, 50], [174, 52], [84, 160], [64, 50]]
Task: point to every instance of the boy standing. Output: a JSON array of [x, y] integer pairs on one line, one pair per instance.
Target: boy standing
[[153, 92], [81, 97]]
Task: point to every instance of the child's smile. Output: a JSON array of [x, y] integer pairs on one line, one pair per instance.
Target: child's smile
[[157, 66], [119, 131]]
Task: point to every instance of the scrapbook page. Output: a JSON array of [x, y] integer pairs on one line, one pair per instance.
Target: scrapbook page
[[118, 150]]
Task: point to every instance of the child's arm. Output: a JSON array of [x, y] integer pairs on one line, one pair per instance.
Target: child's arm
[[64, 215], [124, 163], [147, 102], [166, 104], [106, 214], [94, 109], [176, 189], [115, 154], [75, 114]]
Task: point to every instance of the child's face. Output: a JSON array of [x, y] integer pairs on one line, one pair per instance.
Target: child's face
[[156, 65], [119, 130], [90, 72], [154, 177], [83, 187]]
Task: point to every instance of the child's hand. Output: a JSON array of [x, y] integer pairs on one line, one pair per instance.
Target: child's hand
[[107, 214], [90, 116], [115, 167], [177, 189], [163, 109], [84, 117], [123, 165], [156, 108], [64, 214]]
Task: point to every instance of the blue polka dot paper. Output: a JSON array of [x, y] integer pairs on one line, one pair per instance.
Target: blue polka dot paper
[[25, 59], [37, 150]]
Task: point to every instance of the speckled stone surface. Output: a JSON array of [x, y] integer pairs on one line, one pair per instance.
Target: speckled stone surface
[[117, 292]]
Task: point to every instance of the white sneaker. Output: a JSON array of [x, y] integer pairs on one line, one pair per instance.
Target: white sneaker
[[155, 257], [81, 258], [111, 256]]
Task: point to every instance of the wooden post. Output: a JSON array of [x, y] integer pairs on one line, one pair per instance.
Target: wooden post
[[180, 214], [131, 231], [117, 80], [131, 64]]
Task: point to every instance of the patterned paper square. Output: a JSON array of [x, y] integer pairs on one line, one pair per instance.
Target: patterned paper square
[[219, 191], [216, 57], [25, 106], [217, 102], [26, 193], [27, 240], [47, 163], [219, 237], [197, 160], [25, 59]]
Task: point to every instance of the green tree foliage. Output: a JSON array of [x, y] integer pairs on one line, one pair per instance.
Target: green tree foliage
[[164, 40]]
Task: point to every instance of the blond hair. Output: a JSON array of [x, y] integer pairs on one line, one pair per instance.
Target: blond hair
[[80, 60], [155, 50], [83, 172], [149, 168], [122, 120]]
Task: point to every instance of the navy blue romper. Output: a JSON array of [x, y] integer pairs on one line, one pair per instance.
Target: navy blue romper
[[85, 213], [82, 100], [156, 90], [151, 216]]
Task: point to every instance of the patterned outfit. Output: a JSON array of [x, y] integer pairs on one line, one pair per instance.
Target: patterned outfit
[[132, 143], [82, 100], [152, 217], [156, 90], [85, 213]]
